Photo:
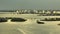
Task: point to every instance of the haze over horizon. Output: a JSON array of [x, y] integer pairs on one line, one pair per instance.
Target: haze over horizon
[[29, 4]]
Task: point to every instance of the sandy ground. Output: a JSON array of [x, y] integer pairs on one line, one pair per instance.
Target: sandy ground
[[30, 27]]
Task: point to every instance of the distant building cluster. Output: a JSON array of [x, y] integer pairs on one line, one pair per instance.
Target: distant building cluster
[[40, 12], [37, 11]]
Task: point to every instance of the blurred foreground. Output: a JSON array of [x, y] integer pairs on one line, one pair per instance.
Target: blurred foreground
[[30, 27]]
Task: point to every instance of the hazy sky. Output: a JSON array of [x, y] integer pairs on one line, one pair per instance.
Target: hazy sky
[[29, 4]]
